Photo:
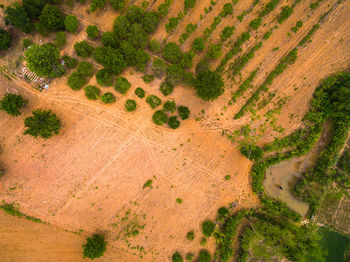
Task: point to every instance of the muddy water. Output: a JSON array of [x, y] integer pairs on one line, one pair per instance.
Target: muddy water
[[278, 177]]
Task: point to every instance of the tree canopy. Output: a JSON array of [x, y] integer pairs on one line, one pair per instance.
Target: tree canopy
[[94, 247], [71, 23], [52, 18], [43, 124], [12, 103], [209, 85], [43, 60], [5, 39], [17, 16]]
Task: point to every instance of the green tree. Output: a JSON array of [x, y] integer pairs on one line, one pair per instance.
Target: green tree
[[70, 62], [110, 39], [134, 14], [5, 39], [12, 103], [137, 36], [141, 59], [189, 4], [110, 59], [92, 32], [159, 117], [43, 60], [118, 5], [108, 98], [94, 247], [83, 49], [60, 39], [172, 53], [43, 124], [209, 85], [190, 235], [184, 112], [122, 85], [104, 77], [51, 18], [254, 24], [130, 105], [153, 101], [204, 256], [71, 23], [155, 46], [85, 69], [166, 88], [148, 78], [169, 106], [17, 16], [177, 257], [208, 228], [92, 92], [26, 43], [121, 27], [215, 51], [198, 44], [286, 12], [97, 4], [140, 92], [173, 122], [150, 22], [252, 152], [227, 32], [33, 8], [76, 81], [227, 10], [175, 74]]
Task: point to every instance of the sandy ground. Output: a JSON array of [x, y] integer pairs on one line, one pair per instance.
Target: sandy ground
[[92, 174]]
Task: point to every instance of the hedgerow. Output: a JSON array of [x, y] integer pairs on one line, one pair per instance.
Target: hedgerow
[[309, 34], [245, 85], [286, 12]]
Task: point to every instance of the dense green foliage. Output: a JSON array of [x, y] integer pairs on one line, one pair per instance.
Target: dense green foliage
[[108, 98], [94, 247], [269, 7], [245, 85], [43, 60], [17, 16], [43, 124], [189, 4], [51, 18], [83, 49], [169, 106], [155, 46], [85, 69], [208, 228], [92, 92], [13, 211], [60, 39], [198, 44], [227, 10], [12, 103], [159, 67], [173, 122], [122, 85], [166, 88], [297, 26], [344, 161], [148, 78], [184, 112], [251, 152], [204, 256], [177, 257], [110, 59], [153, 101], [97, 4], [227, 32], [76, 81], [130, 105], [92, 32], [109, 39], [172, 53], [255, 24], [215, 51], [209, 85], [33, 8], [118, 5], [26, 43], [104, 77], [71, 23], [159, 117], [140, 92], [286, 12], [190, 235], [5, 39]]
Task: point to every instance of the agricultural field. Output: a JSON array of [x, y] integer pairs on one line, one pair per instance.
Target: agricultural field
[[156, 110]]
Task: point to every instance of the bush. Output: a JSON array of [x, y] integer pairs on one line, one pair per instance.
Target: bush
[[189, 256], [83, 49], [223, 213], [252, 152], [71, 23], [118, 5], [173, 122], [5, 39], [155, 46], [85, 69], [108, 98], [130, 105], [254, 24], [92, 92], [172, 53], [159, 67], [189, 4], [110, 39], [227, 10], [43, 124], [159, 118], [70, 62], [190, 235], [97, 4], [215, 51], [177, 257], [286, 12], [169, 106], [94, 247], [140, 92], [92, 32], [122, 85], [198, 44], [166, 88], [43, 60], [51, 18], [209, 85], [11, 104], [208, 228], [104, 77], [184, 112], [25, 42], [60, 39], [148, 78], [204, 256], [227, 32], [17, 16], [153, 101], [76, 81]]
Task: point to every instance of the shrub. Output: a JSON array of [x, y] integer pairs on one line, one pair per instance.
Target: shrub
[[286, 12], [177, 257], [5, 39], [71, 23], [92, 92], [104, 77], [190, 235], [118, 5], [297, 26], [130, 105], [227, 32], [51, 18], [159, 67], [159, 118], [204, 256], [215, 51], [150, 21], [92, 32], [223, 213], [83, 49], [179, 200], [85, 69], [267, 35], [70, 62], [227, 10], [209, 85], [43, 124], [94, 247], [155, 46], [97, 4], [25, 42], [43, 60], [203, 241], [140, 92], [12, 103], [169, 106], [122, 85], [189, 256], [17, 16], [172, 24], [189, 4], [148, 183], [198, 44], [252, 152], [184, 112], [110, 39], [166, 88], [60, 39], [76, 81], [33, 8], [254, 24], [153, 101], [148, 78], [172, 53], [108, 98], [208, 228], [173, 122]]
